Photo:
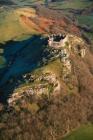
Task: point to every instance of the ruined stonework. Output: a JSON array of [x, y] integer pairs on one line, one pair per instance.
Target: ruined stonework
[[44, 84], [67, 44]]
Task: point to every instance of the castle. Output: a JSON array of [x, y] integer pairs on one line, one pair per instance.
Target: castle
[[67, 44]]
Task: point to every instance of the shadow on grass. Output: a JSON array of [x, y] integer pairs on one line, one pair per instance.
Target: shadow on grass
[[21, 57], [8, 2]]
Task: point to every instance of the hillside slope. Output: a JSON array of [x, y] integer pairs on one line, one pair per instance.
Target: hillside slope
[[46, 73]]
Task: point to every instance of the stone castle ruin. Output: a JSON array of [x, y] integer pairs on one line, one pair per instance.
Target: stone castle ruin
[[57, 41], [67, 44]]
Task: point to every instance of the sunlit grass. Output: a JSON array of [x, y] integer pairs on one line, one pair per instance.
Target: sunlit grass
[[83, 133], [11, 28]]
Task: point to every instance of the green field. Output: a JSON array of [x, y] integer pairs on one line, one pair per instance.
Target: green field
[[10, 27], [83, 133], [86, 19], [76, 5], [27, 2], [73, 4]]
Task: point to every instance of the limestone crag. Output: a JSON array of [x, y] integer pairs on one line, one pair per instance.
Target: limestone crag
[[45, 84], [67, 44]]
